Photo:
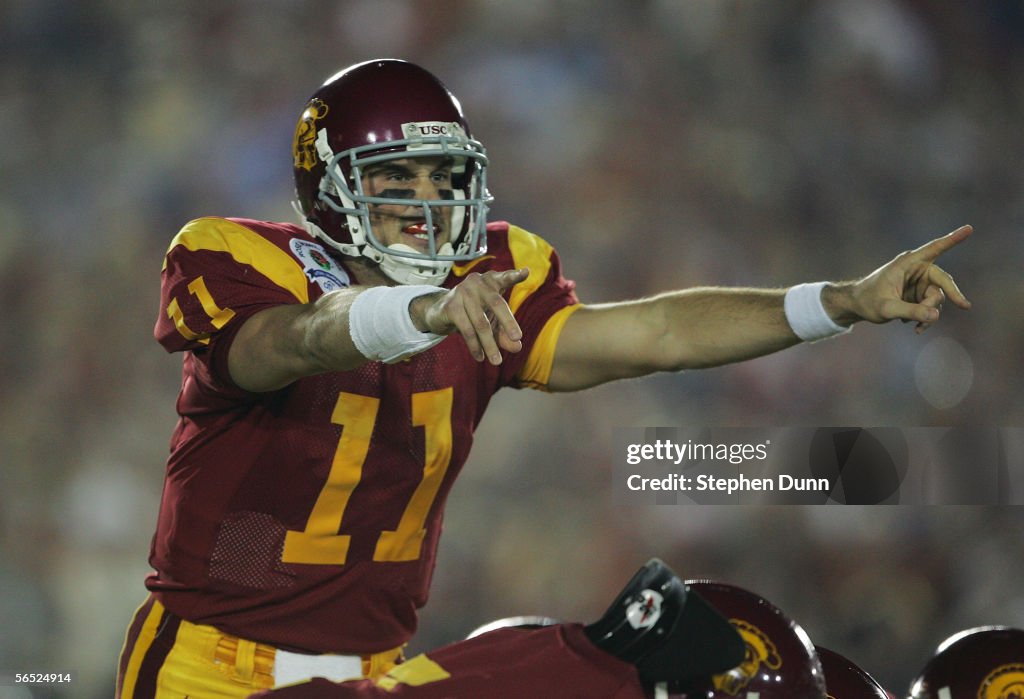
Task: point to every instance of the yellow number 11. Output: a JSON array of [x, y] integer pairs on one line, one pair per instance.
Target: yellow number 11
[[320, 542]]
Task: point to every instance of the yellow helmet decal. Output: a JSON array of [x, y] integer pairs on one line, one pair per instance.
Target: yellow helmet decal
[[303, 148], [1005, 682], [760, 651]]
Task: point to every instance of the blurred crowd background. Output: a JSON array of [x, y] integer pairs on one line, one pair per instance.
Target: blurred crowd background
[[657, 144]]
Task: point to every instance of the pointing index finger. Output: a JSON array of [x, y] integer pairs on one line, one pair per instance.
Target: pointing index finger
[[511, 277], [930, 251]]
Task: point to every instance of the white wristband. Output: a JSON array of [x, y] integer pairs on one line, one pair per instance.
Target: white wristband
[[806, 314], [380, 326]]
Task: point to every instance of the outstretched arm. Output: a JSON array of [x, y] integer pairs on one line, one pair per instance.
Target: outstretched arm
[[706, 327]]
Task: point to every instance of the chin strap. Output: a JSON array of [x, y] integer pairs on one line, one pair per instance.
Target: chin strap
[[406, 270]]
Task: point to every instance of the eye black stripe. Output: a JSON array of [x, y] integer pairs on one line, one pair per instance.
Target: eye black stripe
[[397, 194]]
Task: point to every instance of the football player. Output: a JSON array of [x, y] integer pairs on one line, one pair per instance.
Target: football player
[[656, 630], [334, 373], [986, 662], [846, 680], [775, 659]]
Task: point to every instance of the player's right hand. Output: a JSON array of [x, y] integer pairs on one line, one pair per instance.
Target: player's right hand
[[476, 309]]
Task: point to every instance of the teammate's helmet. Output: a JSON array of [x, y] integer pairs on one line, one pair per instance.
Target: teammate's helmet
[[981, 663], [374, 112], [845, 680], [780, 660]]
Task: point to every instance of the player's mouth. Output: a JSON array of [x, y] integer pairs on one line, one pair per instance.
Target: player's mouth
[[420, 233]]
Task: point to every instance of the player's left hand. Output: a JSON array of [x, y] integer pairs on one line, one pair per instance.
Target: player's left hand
[[910, 287]]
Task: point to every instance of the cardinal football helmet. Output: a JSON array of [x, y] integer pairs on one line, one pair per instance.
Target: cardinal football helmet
[[780, 661], [981, 663], [845, 680], [371, 113]]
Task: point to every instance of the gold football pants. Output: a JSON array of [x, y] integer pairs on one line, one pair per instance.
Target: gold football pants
[[166, 657]]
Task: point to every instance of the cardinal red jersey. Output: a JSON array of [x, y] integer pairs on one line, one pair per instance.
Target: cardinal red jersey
[[555, 662], [309, 517]]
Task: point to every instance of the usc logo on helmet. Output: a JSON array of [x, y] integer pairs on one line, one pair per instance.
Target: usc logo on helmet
[[1005, 682], [759, 651], [303, 148]]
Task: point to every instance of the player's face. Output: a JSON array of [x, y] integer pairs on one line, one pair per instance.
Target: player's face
[[410, 178]]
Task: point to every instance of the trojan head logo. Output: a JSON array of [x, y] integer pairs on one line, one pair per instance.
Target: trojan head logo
[[1005, 682], [760, 652], [303, 148]]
